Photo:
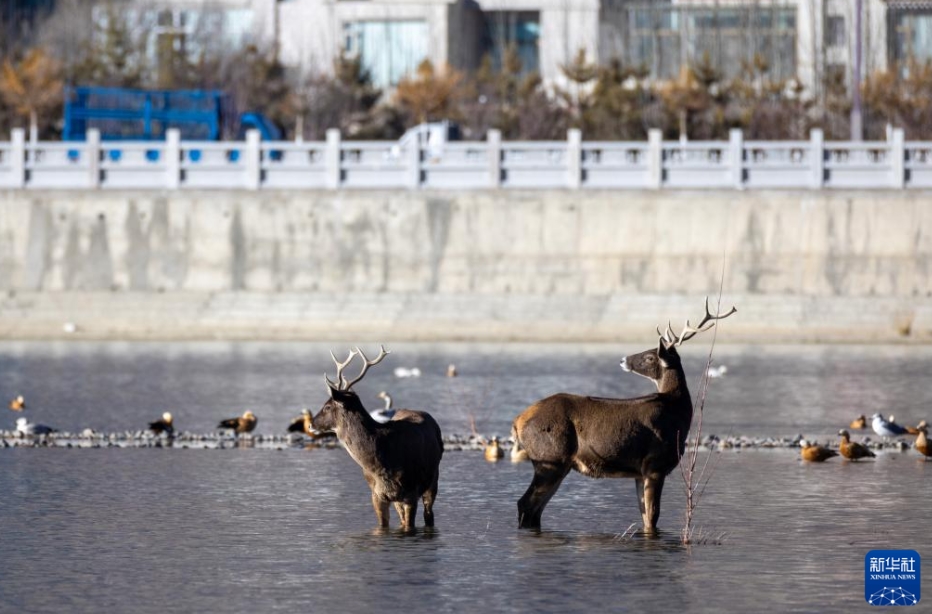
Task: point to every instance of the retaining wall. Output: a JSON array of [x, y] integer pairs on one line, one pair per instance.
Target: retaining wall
[[800, 265]]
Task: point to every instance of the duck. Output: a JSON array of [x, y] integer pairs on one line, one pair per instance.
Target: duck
[[451, 370], [303, 424], [884, 428], [910, 430], [494, 452], [717, 372], [386, 413], [24, 427], [18, 404], [518, 454], [815, 453], [853, 450], [406, 372], [163, 425], [244, 424], [922, 441], [859, 423]]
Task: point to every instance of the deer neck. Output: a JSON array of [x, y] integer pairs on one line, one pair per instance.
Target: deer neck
[[355, 429], [673, 383]]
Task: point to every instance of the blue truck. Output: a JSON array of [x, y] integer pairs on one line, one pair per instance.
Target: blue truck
[[144, 115]]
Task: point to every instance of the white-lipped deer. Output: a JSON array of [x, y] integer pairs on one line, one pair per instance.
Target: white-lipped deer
[[400, 459], [641, 438]]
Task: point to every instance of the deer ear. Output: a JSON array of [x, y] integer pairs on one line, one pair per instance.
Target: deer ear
[[341, 396], [663, 353]]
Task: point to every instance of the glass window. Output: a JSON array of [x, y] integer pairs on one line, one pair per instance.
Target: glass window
[[506, 28], [835, 31], [912, 37], [389, 50], [663, 38]]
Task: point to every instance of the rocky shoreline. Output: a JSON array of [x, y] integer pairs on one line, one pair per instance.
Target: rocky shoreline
[[453, 443]]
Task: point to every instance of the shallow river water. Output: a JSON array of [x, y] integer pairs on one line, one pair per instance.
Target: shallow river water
[[254, 530]]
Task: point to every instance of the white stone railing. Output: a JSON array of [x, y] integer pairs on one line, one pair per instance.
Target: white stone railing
[[573, 164]]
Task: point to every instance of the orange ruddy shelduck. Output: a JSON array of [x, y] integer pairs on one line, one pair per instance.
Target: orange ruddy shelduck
[[853, 450]]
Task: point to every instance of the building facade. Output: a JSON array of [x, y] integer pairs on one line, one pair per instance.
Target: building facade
[[805, 39]]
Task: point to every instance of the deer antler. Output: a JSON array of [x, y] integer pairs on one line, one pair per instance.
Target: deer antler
[[367, 363], [341, 380], [671, 339]]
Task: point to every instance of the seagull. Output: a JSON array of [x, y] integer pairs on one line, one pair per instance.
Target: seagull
[[859, 423], [244, 424], [451, 370], [386, 413], [405, 372], [25, 427], [885, 428], [853, 450], [909, 429], [815, 453], [18, 404], [493, 452], [717, 372], [164, 425]]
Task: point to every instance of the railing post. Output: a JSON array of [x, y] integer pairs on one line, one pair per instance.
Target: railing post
[[494, 144], [574, 158], [736, 145], [92, 151], [816, 159], [413, 155], [172, 159], [654, 159], [253, 160], [18, 160], [898, 158], [333, 177]]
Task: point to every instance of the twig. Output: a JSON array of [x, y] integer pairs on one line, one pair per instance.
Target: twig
[[695, 484]]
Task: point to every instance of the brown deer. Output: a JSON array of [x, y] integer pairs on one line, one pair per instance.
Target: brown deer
[[641, 438], [400, 459]]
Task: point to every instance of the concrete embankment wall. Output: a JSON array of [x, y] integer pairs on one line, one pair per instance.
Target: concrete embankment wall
[[500, 265]]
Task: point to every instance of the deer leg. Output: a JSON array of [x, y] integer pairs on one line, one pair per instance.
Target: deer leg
[[653, 487], [381, 510], [428, 498], [547, 479], [639, 484], [401, 512], [410, 514]]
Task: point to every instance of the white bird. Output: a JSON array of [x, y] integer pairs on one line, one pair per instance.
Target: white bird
[[25, 427], [717, 372], [884, 428], [386, 413], [69, 327], [405, 372]]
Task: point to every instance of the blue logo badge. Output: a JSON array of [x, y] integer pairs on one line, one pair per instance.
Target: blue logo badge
[[891, 577]]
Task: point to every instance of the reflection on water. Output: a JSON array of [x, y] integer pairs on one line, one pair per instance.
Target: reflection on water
[[251, 529]]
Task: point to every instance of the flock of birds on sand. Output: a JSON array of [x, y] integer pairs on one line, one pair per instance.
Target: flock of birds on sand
[[850, 450], [853, 451]]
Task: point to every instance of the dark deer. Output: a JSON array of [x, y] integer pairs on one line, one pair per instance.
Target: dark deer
[[641, 438], [400, 459]]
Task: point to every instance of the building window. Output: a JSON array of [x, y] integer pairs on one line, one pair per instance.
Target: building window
[[664, 38], [910, 37], [835, 34], [518, 29], [388, 50]]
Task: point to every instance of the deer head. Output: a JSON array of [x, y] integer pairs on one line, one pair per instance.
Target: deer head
[[342, 398], [662, 364]]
